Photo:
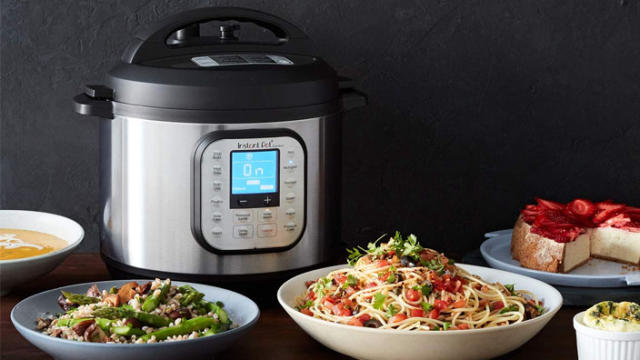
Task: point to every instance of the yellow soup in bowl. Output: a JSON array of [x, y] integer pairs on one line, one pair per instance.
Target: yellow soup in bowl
[[18, 244]]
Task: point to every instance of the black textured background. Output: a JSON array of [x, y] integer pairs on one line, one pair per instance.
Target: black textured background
[[475, 106]]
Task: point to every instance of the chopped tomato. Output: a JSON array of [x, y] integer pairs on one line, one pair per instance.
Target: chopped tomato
[[397, 318], [483, 303], [382, 263], [340, 278], [371, 284], [413, 295], [355, 322], [384, 276], [434, 314], [306, 311], [391, 253], [459, 304], [350, 291], [329, 299], [440, 304], [462, 326], [417, 313], [348, 302], [364, 317], [497, 305], [309, 283], [339, 310], [426, 255], [311, 295]]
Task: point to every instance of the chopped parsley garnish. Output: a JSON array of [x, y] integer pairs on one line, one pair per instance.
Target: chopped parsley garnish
[[511, 289], [446, 325], [378, 300], [509, 308], [425, 289], [351, 281], [540, 309], [321, 284], [391, 310], [426, 306], [392, 276], [354, 255], [308, 304]]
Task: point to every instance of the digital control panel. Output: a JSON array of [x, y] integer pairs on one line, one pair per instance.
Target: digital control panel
[[251, 191], [240, 59]]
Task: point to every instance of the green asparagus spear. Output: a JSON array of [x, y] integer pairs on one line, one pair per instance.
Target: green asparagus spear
[[104, 324], [222, 314], [79, 298], [127, 330], [121, 312], [184, 328], [189, 295], [152, 301]]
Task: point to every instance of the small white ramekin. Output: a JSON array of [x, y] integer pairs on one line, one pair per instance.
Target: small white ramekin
[[595, 344]]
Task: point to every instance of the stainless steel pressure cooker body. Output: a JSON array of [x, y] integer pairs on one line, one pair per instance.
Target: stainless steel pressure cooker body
[[219, 157]]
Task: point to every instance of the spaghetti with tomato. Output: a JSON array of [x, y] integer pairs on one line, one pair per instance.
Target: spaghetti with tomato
[[401, 285]]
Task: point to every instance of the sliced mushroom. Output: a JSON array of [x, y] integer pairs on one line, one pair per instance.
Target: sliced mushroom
[[127, 292], [372, 323], [43, 323], [144, 288], [94, 291], [94, 334], [180, 313], [134, 322], [112, 300], [64, 303], [80, 327]]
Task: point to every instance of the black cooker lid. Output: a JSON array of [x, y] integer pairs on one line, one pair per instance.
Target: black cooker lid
[[170, 66]]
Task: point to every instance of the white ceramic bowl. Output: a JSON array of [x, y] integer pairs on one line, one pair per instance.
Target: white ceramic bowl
[[13, 272], [596, 344], [368, 343]]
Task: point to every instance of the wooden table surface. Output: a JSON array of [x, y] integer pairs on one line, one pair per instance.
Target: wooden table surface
[[276, 336]]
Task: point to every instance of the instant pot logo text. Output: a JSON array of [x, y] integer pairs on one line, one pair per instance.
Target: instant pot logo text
[[262, 144]]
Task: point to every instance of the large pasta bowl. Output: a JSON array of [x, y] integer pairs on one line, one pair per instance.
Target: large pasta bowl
[[369, 343]]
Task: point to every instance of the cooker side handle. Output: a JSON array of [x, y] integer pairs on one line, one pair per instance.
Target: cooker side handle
[[95, 101], [349, 97]]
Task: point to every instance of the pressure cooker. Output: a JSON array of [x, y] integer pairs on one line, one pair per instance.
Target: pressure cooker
[[220, 156]]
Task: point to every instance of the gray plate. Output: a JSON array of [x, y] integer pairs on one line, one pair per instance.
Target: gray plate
[[242, 311], [596, 273]]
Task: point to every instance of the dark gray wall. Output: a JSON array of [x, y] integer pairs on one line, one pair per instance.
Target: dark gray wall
[[475, 106]]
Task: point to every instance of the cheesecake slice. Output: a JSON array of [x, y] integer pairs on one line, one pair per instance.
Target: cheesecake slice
[[555, 237]]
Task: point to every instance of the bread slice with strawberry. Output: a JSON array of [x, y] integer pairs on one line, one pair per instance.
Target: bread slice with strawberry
[[555, 237]]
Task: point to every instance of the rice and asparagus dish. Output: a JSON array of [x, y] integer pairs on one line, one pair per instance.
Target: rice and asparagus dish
[[152, 312]]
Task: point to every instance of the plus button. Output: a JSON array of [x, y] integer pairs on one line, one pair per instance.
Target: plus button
[[267, 200]]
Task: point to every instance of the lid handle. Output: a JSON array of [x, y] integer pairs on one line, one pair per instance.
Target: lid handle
[[151, 42]]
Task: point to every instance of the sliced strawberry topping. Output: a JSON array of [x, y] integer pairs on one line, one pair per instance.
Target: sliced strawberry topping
[[607, 210], [582, 208], [548, 204]]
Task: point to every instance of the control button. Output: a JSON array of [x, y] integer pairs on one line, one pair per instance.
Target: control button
[[280, 60], [229, 59], [290, 182], [290, 211], [257, 59], [217, 185], [216, 201], [267, 200], [242, 216], [204, 61], [290, 197], [216, 231], [290, 165], [267, 215], [290, 226], [243, 202], [216, 155], [267, 230], [217, 169], [243, 231], [291, 153], [216, 216]]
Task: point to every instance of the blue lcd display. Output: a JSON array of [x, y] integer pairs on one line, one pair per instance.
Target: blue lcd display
[[254, 172]]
